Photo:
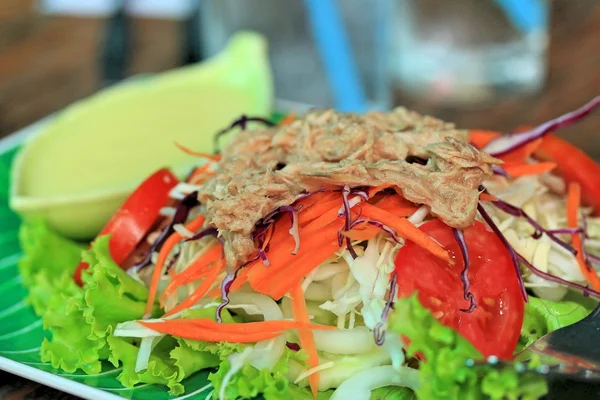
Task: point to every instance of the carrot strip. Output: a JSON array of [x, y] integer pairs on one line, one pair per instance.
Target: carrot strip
[[407, 230], [573, 204], [376, 189], [162, 257], [201, 290], [307, 339], [288, 119], [516, 170], [248, 327], [480, 138], [317, 198], [293, 273], [362, 232], [483, 196], [522, 153], [208, 156], [280, 255], [318, 210], [194, 271], [207, 335], [397, 205], [200, 174]]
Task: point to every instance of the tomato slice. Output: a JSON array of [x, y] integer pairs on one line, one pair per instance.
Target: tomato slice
[[135, 218], [495, 324]]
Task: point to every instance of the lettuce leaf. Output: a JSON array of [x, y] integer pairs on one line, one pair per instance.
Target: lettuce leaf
[[47, 264], [445, 374], [544, 316], [249, 382]]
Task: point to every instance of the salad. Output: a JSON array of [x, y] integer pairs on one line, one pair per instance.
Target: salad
[[385, 255]]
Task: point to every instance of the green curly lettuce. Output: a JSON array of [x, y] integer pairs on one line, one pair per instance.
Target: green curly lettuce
[[446, 374], [81, 320], [544, 316]]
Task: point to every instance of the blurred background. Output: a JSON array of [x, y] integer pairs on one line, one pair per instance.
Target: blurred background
[[495, 64]]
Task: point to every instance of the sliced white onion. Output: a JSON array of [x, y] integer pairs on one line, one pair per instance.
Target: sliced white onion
[[347, 341], [134, 329], [183, 231], [359, 386], [271, 312], [167, 212], [419, 215], [309, 372], [146, 346]]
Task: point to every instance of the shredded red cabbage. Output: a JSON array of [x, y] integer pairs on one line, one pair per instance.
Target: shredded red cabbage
[[210, 231], [517, 212], [378, 332], [225, 288], [553, 278], [182, 211], [242, 122], [293, 346], [378, 224], [464, 275], [499, 170], [508, 142], [565, 231], [513, 254], [347, 214]]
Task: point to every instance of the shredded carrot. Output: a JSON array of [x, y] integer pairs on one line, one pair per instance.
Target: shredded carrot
[[376, 189], [208, 156], [201, 290], [194, 271], [212, 331], [166, 249], [397, 205], [283, 281], [522, 153], [306, 216], [316, 198], [483, 196], [573, 204], [288, 119], [207, 335], [362, 232], [248, 327], [480, 138], [407, 230], [200, 174], [517, 169], [280, 255], [307, 339], [268, 237]]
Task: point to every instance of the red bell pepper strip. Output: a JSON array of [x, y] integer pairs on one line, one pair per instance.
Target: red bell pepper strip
[[574, 165]]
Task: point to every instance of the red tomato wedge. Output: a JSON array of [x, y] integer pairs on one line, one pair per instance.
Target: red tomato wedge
[[494, 325], [135, 218]]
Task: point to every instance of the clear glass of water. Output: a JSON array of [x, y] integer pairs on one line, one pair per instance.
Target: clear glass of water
[[469, 52], [298, 68]]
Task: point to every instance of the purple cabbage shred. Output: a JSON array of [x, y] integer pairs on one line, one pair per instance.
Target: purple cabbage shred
[[553, 278], [510, 142], [517, 212], [242, 122], [378, 332], [513, 254], [464, 275]]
